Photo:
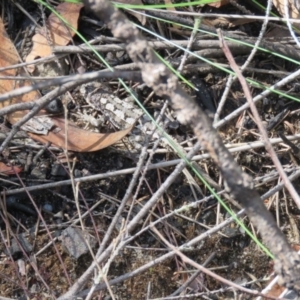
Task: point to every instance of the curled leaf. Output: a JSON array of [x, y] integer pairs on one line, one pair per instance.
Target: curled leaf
[[57, 32]]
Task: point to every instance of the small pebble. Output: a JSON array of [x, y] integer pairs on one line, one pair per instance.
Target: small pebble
[[58, 170], [48, 207]]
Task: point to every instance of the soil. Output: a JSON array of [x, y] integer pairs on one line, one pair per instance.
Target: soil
[[42, 266]]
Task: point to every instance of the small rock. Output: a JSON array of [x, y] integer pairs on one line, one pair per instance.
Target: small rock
[[74, 240], [58, 170], [40, 171], [48, 207], [15, 250]]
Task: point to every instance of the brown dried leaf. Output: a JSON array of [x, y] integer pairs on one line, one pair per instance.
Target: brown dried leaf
[[218, 3], [293, 11], [58, 33], [9, 57], [78, 139], [234, 23], [9, 170]]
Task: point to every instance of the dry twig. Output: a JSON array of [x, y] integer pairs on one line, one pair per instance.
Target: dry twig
[[239, 185]]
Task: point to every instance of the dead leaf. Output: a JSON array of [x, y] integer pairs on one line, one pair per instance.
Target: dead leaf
[[221, 21], [218, 4], [58, 33], [290, 127], [9, 57], [239, 22], [293, 11], [9, 170], [78, 139]]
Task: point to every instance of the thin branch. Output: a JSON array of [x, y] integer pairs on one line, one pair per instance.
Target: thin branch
[[205, 270], [165, 164], [239, 185], [258, 121], [78, 79]]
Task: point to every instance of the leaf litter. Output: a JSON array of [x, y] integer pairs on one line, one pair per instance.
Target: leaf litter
[[76, 139], [238, 257]]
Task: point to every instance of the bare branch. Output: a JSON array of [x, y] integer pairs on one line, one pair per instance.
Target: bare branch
[[240, 185]]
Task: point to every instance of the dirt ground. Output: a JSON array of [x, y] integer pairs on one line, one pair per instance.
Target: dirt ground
[[51, 231]]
